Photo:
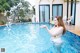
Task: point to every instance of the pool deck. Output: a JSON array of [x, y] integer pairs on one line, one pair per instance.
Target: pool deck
[[73, 29]]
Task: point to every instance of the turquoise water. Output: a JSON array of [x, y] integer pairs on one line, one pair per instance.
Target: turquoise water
[[30, 38]]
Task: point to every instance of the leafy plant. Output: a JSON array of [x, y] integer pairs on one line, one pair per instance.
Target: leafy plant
[[21, 13], [24, 20], [33, 10], [2, 22], [8, 14], [6, 4]]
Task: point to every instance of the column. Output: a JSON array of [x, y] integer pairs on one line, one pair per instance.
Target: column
[[51, 9]]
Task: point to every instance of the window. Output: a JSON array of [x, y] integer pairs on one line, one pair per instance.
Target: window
[[44, 13], [57, 10]]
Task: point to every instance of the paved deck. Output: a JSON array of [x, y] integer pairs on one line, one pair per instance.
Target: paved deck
[[73, 29]]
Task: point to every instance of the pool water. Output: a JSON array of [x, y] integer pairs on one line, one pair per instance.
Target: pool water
[[30, 38]]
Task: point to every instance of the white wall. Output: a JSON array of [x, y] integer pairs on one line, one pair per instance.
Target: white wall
[[37, 10], [58, 2], [77, 21], [44, 2]]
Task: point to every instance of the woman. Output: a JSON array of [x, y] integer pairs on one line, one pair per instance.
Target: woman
[[57, 31]]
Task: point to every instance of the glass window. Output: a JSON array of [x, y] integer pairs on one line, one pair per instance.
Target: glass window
[[44, 13]]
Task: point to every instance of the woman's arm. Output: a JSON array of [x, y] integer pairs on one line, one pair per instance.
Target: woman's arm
[[44, 26], [53, 31]]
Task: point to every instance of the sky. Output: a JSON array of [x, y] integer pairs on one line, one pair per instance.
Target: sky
[[32, 2]]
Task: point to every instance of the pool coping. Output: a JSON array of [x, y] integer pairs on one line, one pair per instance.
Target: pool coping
[[28, 23]]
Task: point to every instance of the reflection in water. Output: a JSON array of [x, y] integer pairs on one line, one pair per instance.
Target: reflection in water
[[32, 34]]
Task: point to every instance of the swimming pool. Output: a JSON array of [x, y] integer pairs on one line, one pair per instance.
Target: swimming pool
[[30, 38]]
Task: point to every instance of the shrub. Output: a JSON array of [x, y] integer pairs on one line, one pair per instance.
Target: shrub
[[24, 20], [2, 22]]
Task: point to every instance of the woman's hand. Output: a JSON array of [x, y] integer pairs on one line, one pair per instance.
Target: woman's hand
[[43, 26]]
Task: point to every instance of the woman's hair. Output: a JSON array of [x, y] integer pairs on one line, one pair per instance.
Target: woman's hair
[[60, 23]]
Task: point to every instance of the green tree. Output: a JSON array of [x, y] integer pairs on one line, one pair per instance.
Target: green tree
[[26, 6], [6, 4], [21, 13]]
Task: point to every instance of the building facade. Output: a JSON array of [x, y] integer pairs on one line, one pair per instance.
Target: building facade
[[46, 10]]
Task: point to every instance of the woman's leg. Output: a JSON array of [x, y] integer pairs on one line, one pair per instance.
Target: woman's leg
[[58, 46]]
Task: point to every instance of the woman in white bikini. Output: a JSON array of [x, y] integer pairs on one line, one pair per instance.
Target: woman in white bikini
[[57, 31]]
